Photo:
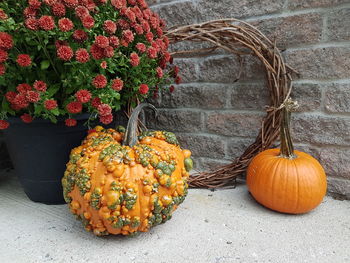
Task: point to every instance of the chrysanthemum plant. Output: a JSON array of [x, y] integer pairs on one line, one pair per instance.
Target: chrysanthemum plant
[[60, 58]]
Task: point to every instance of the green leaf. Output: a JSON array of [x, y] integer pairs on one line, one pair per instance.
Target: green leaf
[[45, 64], [55, 112], [53, 119], [52, 90], [38, 109], [5, 106]]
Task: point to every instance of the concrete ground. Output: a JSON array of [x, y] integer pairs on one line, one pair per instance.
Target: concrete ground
[[218, 227]]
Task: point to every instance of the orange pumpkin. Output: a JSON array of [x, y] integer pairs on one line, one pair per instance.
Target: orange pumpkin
[[123, 187], [286, 180]]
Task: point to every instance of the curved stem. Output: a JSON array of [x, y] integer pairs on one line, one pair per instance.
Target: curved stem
[[130, 137], [287, 148]]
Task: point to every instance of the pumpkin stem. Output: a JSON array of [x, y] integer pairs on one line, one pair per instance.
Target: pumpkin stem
[[287, 148], [130, 137]]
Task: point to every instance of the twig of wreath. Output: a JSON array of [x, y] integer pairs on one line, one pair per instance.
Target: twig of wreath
[[241, 38]]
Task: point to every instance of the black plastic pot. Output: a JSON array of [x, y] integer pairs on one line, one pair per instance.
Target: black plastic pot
[[39, 152]]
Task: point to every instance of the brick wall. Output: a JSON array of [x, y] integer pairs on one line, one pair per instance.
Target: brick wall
[[217, 118]]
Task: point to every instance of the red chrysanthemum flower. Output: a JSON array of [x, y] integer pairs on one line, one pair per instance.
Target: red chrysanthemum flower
[[81, 11], [23, 88], [159, 32], [156, 46], [130, 15], [40, 85], [6, 41], [147, 13], [10, 96], [102, 41], [32, 96], [65, 53], [80, 35], [97, 52], [46, 23], [141, 47], [91, 6], [176, 70], [108, 52], [26, 118], [3, 15], [145, 26], [3, 55], [29, 12], [123, 24], [71, 122], [88, 22], [152, 52], [161, 45], [95, 102], [106, 119], [99, 82], [143, 89], [71, 3], [82, 55], [83, 96], [134, 59], [4, 124], [103, 64], [110, 27], [154, 21], [50, 104], [118, 4], [178, 80], [32, 23], [149, 36], [20, 101], [74, 107], [124, 43], [117, 84], [172, 88], [138, 29], [128, 36], [58, 9], [35, 4], [24, 60], [137, 12], [65, 24], [114, 41], [104, 110], [160, 73], [50, 2], [167, 57]]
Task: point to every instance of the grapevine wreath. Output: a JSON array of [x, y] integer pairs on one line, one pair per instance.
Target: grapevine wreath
[[241, 38]]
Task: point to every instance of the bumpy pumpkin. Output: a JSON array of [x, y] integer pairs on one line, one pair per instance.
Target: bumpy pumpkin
[[118, 186], [286, 180]]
